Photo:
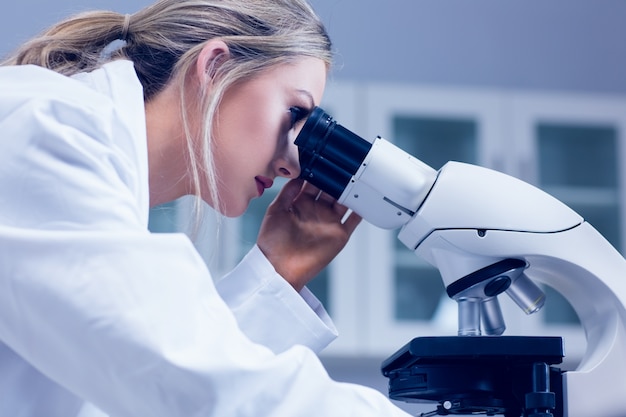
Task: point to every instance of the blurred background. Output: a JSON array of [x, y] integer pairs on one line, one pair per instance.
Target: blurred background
[[536, 89]]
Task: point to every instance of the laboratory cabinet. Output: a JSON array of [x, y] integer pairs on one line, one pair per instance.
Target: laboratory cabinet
[[378, 292]]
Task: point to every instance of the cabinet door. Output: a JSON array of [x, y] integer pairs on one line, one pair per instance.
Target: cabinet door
[[572, 146], [407, 297]]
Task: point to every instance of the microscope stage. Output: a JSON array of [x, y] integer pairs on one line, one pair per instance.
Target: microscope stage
[[472, 374]]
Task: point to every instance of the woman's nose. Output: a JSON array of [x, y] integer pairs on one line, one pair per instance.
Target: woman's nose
[[288, 163]]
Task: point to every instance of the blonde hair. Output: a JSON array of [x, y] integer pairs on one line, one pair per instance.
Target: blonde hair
[[164, 40]]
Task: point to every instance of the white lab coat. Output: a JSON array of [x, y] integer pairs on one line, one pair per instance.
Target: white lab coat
[[99, 316]]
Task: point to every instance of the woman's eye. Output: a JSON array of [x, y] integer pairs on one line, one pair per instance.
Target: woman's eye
[[297, 114]]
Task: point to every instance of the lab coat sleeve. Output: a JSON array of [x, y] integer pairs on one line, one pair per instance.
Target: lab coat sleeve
[[128, 320], [132, 323], [258, 296]]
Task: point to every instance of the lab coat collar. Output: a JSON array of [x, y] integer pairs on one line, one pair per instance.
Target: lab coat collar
[[118, 81]]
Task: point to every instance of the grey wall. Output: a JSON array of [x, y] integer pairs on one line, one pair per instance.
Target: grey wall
[[19, 20], [573, 45], [557, 45]]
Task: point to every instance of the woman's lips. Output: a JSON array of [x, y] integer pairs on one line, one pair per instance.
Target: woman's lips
[[262, 183]]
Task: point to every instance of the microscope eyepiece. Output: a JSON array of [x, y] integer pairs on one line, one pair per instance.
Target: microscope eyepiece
[[329, 153]]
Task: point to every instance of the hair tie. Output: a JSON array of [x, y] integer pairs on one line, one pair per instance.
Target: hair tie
[[125, 27], [117, 44]]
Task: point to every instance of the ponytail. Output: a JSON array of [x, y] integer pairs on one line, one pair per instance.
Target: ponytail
[[73, 45]]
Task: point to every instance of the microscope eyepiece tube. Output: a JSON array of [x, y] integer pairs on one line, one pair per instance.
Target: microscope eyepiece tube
[[329, 153]]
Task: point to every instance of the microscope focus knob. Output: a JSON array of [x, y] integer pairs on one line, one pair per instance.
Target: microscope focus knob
[[541, 402]]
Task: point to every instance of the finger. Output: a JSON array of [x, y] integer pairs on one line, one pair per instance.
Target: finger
[[289, 192], [310, 190], [351, 221], [340, 209], [327, 198], [317, 194]]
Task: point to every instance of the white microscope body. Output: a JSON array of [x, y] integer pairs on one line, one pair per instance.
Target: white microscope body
[[518, 221], [464, 218]]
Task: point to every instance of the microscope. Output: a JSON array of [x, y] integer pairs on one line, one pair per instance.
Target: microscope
[[488, 234]]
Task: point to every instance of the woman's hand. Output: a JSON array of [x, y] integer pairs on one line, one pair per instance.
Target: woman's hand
[[302, 231]]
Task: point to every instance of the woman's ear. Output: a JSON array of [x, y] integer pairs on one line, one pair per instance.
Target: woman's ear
[[212, 55]]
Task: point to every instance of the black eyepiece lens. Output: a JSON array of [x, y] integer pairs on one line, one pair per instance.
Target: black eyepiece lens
[[329, 153]]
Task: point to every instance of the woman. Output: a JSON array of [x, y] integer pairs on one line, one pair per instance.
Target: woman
[[120, 113]]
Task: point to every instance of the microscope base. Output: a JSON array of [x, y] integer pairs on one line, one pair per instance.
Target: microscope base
[[475, 374]]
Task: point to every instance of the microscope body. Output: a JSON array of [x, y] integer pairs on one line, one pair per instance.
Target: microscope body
[[488, 234], [511, 219]]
